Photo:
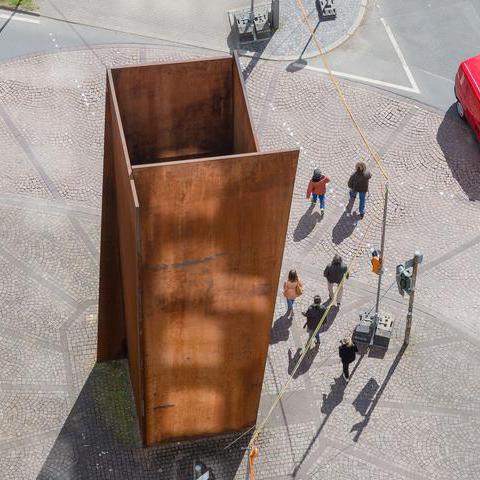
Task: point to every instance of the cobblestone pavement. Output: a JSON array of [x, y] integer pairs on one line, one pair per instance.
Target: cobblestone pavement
[[207, 24], [409, 414]]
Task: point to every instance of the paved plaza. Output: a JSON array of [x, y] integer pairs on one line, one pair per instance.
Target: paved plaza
[[408, 414]]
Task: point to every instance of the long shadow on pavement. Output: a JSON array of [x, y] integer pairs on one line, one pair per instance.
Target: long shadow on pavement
[[281, 329], [332, 314], [346, 224], [368, 398], [100, 439], [330, 402], [306, 224], [307, 361]]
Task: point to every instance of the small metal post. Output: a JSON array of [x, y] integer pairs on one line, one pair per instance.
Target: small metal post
[[275, 14], [247, 451], [382, 248], [408, 326]]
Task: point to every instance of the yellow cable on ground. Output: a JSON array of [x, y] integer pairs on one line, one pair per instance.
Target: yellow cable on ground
[[374, 155], [339, 90]]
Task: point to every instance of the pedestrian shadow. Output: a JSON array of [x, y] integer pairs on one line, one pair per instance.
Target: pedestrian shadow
[[332, 314], [330, 402], [346, 224], [281, 329], [370, 395], [365, 397], [461, 151], [307, 361], [306, 224], [334, 397]]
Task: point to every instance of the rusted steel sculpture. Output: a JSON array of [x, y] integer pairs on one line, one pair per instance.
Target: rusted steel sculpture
[[194, 220]]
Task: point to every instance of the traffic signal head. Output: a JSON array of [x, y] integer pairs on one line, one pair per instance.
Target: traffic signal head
[[404, 279], [376, 264]]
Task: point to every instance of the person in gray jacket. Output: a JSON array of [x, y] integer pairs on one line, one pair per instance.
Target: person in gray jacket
[[334, 273], [358, 183]]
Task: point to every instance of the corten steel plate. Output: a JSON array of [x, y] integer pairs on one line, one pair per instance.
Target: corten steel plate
[[193, 227]]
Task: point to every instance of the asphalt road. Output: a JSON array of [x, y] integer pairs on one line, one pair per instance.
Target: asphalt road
[[23, 34], [432, 36], [412, 48]]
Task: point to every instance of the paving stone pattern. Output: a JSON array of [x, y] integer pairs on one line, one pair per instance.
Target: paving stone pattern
[[406, 414]]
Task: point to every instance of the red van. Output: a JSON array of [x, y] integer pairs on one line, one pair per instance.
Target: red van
[[467, 91]]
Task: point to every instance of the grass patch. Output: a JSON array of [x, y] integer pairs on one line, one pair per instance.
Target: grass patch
[[112, 394], [24, 4]]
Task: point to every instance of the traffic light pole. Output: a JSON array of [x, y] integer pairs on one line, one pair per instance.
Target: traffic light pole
[[408, 326], [382, 248]]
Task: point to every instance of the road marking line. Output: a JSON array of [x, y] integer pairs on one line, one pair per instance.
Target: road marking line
[[449, 80], [413, 83], [361, 79], [14, 16]]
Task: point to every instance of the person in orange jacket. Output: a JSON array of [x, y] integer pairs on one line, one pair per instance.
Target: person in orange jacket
[[318, 188]]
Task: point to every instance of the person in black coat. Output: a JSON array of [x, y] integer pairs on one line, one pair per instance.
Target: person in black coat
[[358, 183], [334, 273], [347, 352], [314, 315]]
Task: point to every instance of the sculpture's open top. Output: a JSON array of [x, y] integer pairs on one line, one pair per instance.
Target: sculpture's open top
[[183, 110]]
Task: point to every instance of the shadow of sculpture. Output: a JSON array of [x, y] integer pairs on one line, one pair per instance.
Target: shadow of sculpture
[[100, 438], [306, 224], [461, 151]]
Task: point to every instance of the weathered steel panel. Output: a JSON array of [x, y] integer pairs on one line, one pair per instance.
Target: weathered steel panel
[[127, 224], [212, 250], [244, 138], [197, 255], [111, 321]]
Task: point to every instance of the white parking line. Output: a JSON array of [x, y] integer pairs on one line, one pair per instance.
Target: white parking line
[[361, 79], [399, 53], [15, 16]]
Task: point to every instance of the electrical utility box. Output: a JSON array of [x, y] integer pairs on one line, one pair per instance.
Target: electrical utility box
[[194, 220]]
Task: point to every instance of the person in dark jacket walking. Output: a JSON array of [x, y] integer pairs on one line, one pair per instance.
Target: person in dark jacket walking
[[317, 187], [334, 273], [358, 183], [347, 351], [314, 314]]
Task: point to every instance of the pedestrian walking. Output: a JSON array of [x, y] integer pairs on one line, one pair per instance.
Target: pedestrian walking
[[334, 273], [317, 188], [358, 183], [314, 315], [347, 352], [292, 289]]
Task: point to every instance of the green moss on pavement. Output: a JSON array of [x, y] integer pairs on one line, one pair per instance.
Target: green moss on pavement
[[24, 4], [114, 401]]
